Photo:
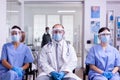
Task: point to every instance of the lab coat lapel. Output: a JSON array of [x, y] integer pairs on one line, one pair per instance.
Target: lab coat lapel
[[65, 52]]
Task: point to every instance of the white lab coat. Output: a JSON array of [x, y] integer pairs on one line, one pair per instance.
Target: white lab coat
[[47, 60]]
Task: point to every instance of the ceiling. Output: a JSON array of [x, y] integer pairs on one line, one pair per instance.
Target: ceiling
[[12, 0], [33, 1]]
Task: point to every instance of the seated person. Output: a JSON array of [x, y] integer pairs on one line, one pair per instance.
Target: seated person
[[15, 57], [103, 59], [58, 59]]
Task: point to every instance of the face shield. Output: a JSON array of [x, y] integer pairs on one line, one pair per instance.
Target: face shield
[[15, 35], [105, 36], [57, 34]]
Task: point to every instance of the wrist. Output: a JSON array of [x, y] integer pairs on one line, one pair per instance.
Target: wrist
[[12, 68], [102, 72], [22, 68]]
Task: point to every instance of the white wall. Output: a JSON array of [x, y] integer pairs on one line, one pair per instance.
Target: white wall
[[87, 18], [3, 27], [114, 6], [87, 21]]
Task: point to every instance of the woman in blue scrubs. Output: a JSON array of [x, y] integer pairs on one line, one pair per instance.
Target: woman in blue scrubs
[[16, 57], [103, 59]]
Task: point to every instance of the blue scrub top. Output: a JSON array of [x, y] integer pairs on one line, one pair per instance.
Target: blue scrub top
[[17, 57], [105, 60]]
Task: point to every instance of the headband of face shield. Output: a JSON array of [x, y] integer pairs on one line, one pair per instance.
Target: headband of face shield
[[105, 33], [104, 37], [58, 34], [15, 35]]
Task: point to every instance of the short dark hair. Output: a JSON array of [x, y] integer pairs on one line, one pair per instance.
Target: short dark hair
[[15, 26], [46, 28], [102, 29]]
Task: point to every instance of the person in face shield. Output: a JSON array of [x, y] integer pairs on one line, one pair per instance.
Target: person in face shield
[[103, 59], [57, 59], [15, 57]]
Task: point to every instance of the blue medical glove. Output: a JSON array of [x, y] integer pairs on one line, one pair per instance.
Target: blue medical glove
[[20, 74], [108, 74], [55, 75], [19, 71], [14, 68], [61, 74]]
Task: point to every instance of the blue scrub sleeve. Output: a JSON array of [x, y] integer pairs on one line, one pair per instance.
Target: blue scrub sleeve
[[4, 52], [117, 58], [28, 56], [90, 58]]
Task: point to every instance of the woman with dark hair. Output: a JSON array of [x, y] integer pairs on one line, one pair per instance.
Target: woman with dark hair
[[15, 57], [103, 59]]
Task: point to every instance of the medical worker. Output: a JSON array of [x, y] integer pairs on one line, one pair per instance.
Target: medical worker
[[15, 57], [57, 58], [103, 59]]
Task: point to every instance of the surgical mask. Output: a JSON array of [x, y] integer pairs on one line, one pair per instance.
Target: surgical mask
[[15, 38], [105, 39], [57, 37]]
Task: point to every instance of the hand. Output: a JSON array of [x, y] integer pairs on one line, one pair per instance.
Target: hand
[[55, 75], [108, 74], [18, 71]]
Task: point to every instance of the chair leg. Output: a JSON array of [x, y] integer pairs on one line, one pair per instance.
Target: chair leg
[[84, 77], [26, 77], [34, 76]]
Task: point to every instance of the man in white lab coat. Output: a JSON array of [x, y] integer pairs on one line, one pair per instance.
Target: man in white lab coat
[[57, 58]]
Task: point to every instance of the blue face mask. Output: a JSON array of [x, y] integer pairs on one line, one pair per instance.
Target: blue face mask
[[15, 38], [57, 37], [105, 39]]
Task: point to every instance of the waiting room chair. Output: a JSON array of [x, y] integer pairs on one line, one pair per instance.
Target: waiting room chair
[[74, 71], [86, 71], [29, 71]]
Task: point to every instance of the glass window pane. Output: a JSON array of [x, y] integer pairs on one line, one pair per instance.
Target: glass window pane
[[67, 21], [52, 20], [39, 27]]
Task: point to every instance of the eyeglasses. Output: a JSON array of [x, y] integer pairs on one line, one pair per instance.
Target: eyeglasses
[[58, 31]]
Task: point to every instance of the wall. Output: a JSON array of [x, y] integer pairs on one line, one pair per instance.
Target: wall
[[3, 26], [114, 6], [13, 14], [87, 21]]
